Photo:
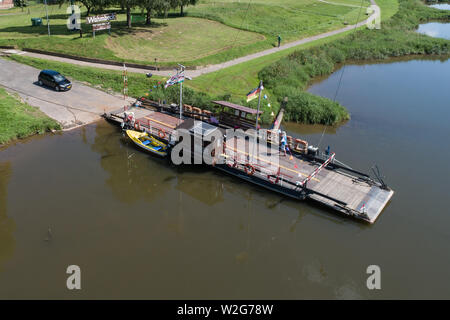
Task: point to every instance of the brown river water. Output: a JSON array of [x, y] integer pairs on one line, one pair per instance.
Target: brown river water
[[141, 228]]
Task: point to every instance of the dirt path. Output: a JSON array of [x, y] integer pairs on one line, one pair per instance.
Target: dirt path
[[216, 67]]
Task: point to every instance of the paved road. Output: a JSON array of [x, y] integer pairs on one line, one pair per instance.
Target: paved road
[[216, 67], [79, 106]]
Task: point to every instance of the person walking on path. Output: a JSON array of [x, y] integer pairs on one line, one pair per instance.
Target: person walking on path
[[279, 41]]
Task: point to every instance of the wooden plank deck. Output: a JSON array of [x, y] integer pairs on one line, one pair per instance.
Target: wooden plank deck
[[150, 121], [358, 197], [363, 198]]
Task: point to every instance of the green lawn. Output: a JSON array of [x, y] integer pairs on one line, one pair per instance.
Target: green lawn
[[185, 39], [19, 120], [231, 29], [239, 79], [292, 19]]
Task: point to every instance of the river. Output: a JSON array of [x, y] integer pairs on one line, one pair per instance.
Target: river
[[441, 6], [140, 228], [435, 29]]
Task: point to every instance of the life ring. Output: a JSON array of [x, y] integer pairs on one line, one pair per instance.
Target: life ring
[[269, 177], [161, 133], [299, 143], [249, 169]]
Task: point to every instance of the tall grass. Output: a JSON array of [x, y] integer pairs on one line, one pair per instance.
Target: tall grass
[[290, 76], [19, 120]]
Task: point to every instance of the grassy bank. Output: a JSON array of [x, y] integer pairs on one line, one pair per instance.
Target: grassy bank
[[239, 79], [19, 120], [212, 32], [397, 37]]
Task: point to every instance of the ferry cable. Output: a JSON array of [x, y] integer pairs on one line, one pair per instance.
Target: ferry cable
[[342, 74]]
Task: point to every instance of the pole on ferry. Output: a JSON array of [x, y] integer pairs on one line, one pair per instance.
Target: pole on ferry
[[259, 104], [181, 91], [257, 116]]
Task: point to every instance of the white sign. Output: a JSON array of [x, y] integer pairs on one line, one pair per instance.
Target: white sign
[[101, 18]]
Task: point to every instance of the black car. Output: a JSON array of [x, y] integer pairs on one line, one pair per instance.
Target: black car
[[54, 79]]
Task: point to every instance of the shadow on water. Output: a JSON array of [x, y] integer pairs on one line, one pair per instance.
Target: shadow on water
[[133, 175], [7, 225]]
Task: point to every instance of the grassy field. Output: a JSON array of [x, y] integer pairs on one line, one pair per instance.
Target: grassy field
[[19, 120], [231, 29], [239, 79], [184, 39], [292, 19]]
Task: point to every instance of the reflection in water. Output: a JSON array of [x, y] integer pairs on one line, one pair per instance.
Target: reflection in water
[[208, 191], [435, 30], [302, 129], [7, 225], [133, 175]]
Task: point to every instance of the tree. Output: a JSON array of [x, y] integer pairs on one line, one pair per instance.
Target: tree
[[89, 4], [128, 5], [183, 3], [20, 3], [148, 5]]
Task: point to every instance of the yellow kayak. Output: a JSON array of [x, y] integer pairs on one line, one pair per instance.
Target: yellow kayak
[[149, 143]]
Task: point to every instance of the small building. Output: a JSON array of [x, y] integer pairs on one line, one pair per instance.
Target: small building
[[236, 116], [6, 4]]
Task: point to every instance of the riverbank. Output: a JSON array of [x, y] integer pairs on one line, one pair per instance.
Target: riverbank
[[19, 120], [397, 37]]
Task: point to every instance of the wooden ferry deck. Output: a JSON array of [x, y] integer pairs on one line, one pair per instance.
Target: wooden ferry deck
[[336, 188], [154, 122]]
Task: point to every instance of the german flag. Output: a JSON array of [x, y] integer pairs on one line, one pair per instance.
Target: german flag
[[254, 93]]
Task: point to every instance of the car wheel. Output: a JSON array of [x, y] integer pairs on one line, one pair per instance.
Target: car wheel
[[40, 83], [57, 88]]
